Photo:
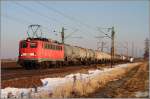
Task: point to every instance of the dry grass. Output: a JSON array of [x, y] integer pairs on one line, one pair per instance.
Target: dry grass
[[63, 91], [84, 87]]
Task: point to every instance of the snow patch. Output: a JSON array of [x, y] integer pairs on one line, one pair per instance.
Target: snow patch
[[140, 94]]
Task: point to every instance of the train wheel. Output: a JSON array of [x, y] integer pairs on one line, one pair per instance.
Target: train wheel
[[50, 65], [66, 63], [43, 66], [37, 66], [46, 65], [26, 66], [60, 64]]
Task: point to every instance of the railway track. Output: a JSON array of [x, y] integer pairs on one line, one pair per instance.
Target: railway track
[[13, 73], [21, 78], [29, 78], [20, 73]]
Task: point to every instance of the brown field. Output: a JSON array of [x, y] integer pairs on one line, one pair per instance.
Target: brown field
[[135, 81], [9, 64]]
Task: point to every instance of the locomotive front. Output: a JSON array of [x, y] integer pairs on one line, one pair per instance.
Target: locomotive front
[[29, 52]]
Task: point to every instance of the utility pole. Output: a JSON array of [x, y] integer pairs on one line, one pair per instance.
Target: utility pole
[[102, 44], [140, 53], [98, 45], [135, 52], [112, 46], [112, 43], [132, 49], [127, 49], [62, 34]]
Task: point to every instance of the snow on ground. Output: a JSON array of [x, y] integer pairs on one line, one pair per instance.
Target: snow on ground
[[140, 94], [50, 83]]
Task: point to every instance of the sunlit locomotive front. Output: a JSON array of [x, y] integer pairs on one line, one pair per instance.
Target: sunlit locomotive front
[[35, 52], [38, 52]]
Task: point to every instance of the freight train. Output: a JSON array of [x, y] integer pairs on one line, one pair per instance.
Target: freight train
[[36, 53]]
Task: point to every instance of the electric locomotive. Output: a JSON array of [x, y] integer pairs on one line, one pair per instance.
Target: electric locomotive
[[40, 52]]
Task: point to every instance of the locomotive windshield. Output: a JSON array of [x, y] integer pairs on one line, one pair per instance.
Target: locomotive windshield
[[33, 45], [24, 45]]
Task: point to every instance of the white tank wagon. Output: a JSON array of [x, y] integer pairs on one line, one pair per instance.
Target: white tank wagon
[[82, 53], [78, 54], [118, 58], [106, 57], [125, 58], [68, 52], [90, 54], [75, 54], [98, 56]]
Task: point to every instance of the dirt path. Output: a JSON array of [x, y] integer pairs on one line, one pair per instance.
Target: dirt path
[[133, 84]]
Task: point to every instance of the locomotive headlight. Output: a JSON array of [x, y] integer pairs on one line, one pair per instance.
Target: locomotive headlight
[[31, 54], [23, 54], [28, 54]]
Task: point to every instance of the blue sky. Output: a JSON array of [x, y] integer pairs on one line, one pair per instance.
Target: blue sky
[[130, 19]]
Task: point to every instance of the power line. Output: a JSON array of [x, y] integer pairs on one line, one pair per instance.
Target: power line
[[17, 19], [106, 34], [71, 34], [40, 14], [37, 12], [65, 15], [20, 21]]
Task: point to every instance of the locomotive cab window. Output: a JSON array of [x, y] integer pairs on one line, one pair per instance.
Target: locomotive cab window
[[23, 45], [60, 48], [33, 45], [46, 46]]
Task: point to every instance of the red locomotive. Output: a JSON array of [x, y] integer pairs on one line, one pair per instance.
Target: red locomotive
[[38, 50]]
